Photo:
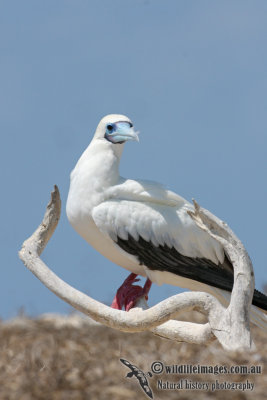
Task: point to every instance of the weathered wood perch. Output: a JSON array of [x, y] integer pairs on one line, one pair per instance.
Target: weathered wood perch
[[229, 325]]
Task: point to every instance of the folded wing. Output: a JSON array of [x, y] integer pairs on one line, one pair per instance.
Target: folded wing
[[158, 231]]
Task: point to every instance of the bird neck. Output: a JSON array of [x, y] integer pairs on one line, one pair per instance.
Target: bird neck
[[96, 171], [99, 164]]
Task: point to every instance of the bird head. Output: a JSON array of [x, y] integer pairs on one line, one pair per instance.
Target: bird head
[[116, 129]]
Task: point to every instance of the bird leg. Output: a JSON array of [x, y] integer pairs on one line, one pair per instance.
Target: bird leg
[[128, 294]]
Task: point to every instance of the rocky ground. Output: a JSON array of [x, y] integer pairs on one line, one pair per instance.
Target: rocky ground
[[72, 358]]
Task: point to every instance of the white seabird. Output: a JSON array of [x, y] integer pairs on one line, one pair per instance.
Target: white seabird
[[142, 226]]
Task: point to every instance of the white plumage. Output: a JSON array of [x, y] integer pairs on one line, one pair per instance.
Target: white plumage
[[103, 206]]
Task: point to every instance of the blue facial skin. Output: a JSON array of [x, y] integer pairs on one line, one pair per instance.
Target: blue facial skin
[[120, 132]]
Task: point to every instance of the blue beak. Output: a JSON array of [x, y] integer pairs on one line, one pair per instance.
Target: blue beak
[[121, 132]]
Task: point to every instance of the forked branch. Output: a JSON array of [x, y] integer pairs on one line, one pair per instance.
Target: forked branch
[[230, 326]]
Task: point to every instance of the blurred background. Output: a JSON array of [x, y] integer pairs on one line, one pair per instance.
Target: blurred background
[[191, 75]]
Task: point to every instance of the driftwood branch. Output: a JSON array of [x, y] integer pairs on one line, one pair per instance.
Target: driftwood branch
[[230, 326]]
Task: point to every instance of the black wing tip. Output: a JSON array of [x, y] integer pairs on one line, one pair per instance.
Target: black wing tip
[[259, 300], [163, 258]]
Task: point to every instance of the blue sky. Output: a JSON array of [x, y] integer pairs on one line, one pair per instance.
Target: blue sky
[[192, 75]]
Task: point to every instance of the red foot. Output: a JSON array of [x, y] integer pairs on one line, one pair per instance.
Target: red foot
[[128, 294]]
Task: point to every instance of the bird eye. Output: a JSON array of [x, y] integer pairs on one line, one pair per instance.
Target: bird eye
[[110, 128]]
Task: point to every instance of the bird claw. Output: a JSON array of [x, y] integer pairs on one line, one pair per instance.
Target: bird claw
[[128, 294]]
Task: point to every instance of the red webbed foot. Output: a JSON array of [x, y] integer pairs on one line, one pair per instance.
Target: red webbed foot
[[128, 293]]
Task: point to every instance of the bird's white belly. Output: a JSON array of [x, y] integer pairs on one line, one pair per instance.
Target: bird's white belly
[[160, 277], [106, 246]]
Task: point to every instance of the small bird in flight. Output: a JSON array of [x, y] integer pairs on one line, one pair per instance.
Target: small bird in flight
[[143, 227]]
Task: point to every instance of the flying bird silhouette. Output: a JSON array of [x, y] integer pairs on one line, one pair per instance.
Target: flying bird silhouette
[[143, 227], [140, 375]]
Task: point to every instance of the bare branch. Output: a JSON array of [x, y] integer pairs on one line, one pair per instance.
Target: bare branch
[[222, 323], [236, 317]]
